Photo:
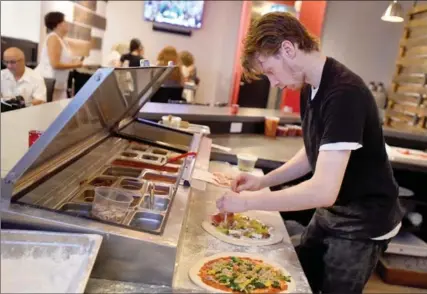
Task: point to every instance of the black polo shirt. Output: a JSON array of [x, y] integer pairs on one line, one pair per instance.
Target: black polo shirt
[[344, 111]]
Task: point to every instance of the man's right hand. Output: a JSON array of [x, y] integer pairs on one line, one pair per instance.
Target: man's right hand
[[246, 182]]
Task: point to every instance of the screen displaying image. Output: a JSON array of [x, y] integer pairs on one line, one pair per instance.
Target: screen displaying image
[[282, 8], [182, 13]]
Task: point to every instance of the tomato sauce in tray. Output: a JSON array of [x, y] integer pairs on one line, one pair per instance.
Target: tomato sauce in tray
[[145, 165], [159, 178]]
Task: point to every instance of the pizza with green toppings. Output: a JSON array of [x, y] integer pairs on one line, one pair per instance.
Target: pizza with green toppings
[[241, 226], [243, 230], [241, 274]]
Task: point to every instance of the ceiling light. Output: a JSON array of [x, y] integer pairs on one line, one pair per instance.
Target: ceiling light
[[394, 12]]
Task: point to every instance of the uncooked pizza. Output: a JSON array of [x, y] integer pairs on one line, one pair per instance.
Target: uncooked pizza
[[242, 230], [241, 273], [240, 226]]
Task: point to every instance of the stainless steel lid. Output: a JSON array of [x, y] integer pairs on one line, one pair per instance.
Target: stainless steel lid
[[109, 98]]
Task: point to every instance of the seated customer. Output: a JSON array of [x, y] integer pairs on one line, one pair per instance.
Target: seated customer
[[19, 80], [135, 55]]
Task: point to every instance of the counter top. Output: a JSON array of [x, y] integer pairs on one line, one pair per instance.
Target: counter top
[[155, 111], [419, 136], [15, 126], [281, 149], [196, 243]]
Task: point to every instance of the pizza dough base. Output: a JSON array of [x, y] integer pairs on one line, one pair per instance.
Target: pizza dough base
[[275, 237], [194, 270]]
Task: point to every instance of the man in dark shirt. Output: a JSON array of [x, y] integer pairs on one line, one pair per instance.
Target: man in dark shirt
[[352, 187]]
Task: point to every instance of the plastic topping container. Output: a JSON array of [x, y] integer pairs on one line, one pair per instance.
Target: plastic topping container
[[246, 162], [111, 204]]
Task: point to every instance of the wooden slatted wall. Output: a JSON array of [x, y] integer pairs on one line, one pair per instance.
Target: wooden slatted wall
[[407, 104]]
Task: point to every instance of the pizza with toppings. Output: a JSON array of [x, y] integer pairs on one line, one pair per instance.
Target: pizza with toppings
[[239, 229], [241, 273], [240, 226]]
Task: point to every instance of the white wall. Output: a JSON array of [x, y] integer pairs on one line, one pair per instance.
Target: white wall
[[213, 45], [355, 35], [21, 20], [67, 7]]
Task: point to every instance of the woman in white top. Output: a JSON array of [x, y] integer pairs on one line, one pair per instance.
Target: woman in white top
[[113, 58], [56, 59]]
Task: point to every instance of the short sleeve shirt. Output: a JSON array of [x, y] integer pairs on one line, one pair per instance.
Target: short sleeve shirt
[[30, 86], [343, 111]]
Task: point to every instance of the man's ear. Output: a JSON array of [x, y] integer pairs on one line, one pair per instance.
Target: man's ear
[[288, 50]]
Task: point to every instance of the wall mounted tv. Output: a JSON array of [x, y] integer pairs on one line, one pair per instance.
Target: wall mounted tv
[[187, 14]]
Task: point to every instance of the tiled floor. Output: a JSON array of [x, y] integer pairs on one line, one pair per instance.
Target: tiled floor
[[376, 285]]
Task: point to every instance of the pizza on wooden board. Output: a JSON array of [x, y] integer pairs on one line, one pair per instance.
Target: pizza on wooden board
[[240, 274], [240, 226]]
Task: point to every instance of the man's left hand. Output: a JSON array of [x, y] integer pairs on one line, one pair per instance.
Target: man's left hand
[[233, 202]]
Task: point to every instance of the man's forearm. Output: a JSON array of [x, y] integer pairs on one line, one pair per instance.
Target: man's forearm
[[306, 195], [319, 191], [295, 168]]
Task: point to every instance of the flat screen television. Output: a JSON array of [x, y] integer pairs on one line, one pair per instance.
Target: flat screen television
[[187, 14]]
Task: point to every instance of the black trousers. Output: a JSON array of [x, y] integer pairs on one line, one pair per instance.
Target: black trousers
[[337, 265]]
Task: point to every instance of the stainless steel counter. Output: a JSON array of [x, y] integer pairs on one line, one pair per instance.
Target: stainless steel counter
[[281, 149], [205, 113], [154, 111], [196, 243]]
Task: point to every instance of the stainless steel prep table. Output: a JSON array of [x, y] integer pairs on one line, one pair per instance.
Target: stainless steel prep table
[[96, 131]]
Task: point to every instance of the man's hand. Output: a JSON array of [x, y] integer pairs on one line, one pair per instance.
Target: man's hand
[[233, 202], [246, 182], [320, 191]]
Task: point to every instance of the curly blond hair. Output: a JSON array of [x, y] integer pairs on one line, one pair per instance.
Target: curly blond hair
[[187, 58]]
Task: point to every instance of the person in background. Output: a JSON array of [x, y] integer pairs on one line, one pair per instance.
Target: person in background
[[135, 55], [189, 73], [188, 67], [352, 186], [19, 80], [113, 58], [176, 78], [56, 59]]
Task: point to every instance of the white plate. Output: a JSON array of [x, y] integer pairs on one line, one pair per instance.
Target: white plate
[[194, 270]]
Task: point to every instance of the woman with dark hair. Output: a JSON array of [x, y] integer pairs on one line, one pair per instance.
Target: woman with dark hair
[[56, 59], [135, 55]]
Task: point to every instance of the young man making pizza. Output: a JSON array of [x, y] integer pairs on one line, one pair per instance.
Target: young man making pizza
[[352, 187]]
